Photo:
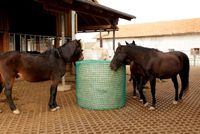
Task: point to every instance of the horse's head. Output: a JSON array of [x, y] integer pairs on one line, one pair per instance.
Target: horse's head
[[71, 51], [120, 57], [78, 52]]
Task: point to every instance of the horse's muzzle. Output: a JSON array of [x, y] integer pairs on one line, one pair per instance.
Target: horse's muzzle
[[113, 67], [81, 58]]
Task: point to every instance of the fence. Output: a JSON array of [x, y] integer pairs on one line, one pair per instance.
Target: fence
[[195, 62]]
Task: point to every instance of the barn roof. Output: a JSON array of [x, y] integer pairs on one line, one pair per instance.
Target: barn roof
[[93, 16], [165, 28], [90, 14]]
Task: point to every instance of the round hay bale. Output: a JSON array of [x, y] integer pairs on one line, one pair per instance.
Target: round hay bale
[[98, 87]]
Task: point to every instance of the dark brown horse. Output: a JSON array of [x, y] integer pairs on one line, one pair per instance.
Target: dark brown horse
[[156, 64], [49, 65]]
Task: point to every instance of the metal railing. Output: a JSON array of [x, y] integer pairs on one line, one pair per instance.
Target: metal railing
[[29, 42]]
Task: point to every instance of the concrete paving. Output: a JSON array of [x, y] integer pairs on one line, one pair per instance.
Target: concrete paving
[[35, 117]]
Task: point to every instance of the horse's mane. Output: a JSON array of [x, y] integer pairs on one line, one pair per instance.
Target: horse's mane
[[151, 49], [133, 44], [56, 51], [50, 51]]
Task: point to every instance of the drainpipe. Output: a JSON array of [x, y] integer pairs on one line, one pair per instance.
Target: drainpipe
[[114, 39]]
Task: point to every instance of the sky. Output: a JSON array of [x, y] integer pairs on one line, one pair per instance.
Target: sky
[[155, 10], [150, 11]]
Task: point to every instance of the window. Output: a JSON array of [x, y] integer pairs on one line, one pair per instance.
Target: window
[[195, 51]]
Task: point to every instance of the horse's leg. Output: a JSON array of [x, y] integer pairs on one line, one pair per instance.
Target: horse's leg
[[1, 84], [1, 89], [140, 89], [153, 91], [184, 85], [138, 86], [52, 100], [8, 93], [174, 80], [134, 87]]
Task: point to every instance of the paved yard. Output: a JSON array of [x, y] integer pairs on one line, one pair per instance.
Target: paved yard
[[35, 118]]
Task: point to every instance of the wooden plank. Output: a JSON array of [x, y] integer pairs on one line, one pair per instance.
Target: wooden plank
[[5, 41]]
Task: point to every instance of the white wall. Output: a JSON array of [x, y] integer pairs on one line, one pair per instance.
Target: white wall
[[182, 43]]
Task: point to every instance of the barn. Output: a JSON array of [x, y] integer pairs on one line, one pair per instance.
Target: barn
[[33, 25]]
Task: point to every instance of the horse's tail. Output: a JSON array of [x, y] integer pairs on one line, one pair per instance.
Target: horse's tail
[[184, 75]]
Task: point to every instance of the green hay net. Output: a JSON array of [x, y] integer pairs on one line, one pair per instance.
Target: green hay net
[[98, 87]]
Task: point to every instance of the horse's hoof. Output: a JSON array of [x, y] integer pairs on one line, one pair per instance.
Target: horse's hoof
[[152, 108], [146, 104], [180, 100], [134, 97], [16, 111], [55, 109], [175, 102]]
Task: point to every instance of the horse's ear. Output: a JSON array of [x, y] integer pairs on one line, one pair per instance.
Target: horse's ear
[[133, 42], [78, 42], [126, 43], [119, 44], [57, 54]]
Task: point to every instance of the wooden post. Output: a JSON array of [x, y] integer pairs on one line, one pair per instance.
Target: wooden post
[[63, 41], [73, 32], [37, 43], [101, 40]]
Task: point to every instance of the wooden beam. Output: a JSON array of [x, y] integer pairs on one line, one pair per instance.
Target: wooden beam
[[95, 28], [68, 1], [96, 13], [55, 8]]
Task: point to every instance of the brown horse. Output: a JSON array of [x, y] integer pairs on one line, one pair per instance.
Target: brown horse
[[156, 64], [49, 65]]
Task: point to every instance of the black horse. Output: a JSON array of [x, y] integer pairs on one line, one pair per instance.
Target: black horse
[[156, 64], [49, 65], [139, 79], [138, 76]]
